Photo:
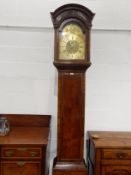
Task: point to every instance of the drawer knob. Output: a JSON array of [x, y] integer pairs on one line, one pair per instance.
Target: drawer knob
[[120, 155], [33, 154], [21, 149], [9, 153]]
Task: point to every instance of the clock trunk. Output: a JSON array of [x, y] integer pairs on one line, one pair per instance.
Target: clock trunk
[[71, 97]]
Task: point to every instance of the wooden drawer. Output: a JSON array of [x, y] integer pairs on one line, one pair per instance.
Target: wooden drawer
[[20, 152], [116, 170], [21, 168], [116, 154]]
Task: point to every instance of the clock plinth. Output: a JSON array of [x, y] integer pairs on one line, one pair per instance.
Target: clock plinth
[[72, 23], [69, 168]]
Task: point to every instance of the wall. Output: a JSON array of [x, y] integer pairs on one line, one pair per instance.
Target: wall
[[109, 81], [28, 79]]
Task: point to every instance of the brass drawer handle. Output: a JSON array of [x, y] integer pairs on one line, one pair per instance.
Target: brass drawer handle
[[20, 174], [33, 153], [20, 163], [9, 153]]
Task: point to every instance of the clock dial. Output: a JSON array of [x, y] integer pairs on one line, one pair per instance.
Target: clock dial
[[72, 43]]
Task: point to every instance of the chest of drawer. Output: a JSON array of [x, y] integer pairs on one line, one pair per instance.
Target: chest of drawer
[[21, 152], [21, 168], [116, 154]]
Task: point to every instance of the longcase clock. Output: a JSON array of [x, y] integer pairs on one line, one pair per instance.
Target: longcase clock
[[72, 24]]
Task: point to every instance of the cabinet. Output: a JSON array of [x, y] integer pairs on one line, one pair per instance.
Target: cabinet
[[109, 153], [24, 150], [21, 160]]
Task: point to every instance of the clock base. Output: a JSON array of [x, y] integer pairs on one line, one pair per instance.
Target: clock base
[[69, 168]]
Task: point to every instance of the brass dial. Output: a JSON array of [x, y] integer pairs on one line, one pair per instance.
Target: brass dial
[[72, 43]]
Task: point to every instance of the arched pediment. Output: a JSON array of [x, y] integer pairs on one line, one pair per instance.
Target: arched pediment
[[70, 11]]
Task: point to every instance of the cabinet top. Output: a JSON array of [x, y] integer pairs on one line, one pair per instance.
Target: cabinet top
[[110, 139], [26, 136], [26, 129]]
